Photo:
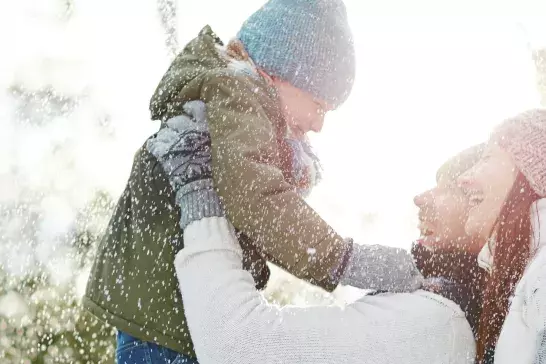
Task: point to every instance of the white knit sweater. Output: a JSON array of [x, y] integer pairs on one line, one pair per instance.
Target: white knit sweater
[[230, 321], [523, 336]]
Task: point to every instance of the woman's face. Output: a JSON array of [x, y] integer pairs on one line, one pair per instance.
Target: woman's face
[[487, 185]]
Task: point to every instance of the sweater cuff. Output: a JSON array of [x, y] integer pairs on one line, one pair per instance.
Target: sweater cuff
[[210, 234], [337, 273], [198, 200]]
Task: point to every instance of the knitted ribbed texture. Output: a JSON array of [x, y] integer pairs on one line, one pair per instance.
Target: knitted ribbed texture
[[307, 43], [198, 200], [230, 322], [524, 137], [381, 268]]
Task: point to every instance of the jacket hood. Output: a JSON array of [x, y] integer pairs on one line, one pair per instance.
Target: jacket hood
[[180, 83]]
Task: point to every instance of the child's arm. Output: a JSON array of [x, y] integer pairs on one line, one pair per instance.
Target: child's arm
[[255, 195]]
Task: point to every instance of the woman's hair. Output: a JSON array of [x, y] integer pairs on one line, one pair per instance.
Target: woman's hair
[[512, 233]]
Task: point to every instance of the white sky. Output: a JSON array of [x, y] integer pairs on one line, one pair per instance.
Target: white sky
[[428, 84]]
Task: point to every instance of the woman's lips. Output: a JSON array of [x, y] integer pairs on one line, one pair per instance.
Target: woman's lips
[[475, 197]]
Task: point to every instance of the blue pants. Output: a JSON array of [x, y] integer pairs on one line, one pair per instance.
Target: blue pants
[[131, 350]]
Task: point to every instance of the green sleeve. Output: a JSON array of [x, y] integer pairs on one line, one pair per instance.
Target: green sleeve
[[257, 199]]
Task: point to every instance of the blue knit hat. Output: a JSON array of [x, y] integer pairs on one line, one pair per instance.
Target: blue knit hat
[[307, 43]]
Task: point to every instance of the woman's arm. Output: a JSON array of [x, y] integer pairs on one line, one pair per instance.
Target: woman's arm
[[230, 322]]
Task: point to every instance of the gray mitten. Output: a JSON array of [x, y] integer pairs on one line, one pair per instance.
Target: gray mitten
[[381, 268], [183, 147]]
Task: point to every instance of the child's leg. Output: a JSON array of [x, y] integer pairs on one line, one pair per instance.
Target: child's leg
[[131, 350]]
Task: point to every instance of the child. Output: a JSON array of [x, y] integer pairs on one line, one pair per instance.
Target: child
[[248, 105]]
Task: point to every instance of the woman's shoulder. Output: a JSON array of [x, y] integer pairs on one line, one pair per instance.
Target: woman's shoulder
[[416, 304]]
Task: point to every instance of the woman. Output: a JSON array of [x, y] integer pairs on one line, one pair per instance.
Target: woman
[[230, 322], [507, 189]]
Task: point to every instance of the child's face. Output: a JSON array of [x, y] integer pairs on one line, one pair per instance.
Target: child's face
[[301, 110]]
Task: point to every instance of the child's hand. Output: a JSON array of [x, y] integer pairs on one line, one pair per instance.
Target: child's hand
[[382, 268], [183, 148]]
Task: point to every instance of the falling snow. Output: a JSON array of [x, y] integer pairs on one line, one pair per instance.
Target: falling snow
[[75, 82]]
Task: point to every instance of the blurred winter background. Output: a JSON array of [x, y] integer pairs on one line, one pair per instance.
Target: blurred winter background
[[75, 80]]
